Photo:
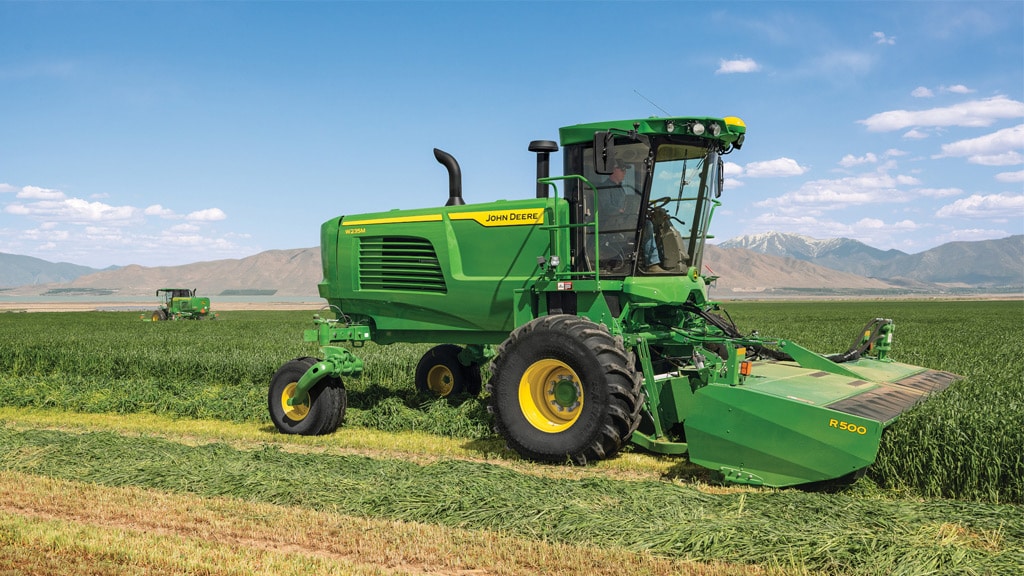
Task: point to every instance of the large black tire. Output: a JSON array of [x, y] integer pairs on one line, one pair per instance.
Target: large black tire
[[440, 373], [158, 315], [321, 413], [564, 389]]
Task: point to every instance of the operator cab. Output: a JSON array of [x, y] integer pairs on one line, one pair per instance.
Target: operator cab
[[651, 200], [172, 293]]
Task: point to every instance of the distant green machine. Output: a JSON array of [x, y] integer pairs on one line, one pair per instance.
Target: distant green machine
[[593, 312], [181, 303]]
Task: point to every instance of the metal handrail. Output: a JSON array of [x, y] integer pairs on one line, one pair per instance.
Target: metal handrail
[[597, 257]]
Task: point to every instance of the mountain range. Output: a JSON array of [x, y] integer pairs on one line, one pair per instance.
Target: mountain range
[[764, 264], [985, 263], [18, 270]]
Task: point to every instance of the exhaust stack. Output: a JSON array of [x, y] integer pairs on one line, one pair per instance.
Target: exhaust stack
[[454, 177]]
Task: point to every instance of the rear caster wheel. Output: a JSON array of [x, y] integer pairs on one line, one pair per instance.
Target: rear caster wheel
[[322, 411]]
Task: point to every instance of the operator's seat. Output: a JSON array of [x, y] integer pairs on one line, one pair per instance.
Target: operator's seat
[[673, 252], [671, 247]]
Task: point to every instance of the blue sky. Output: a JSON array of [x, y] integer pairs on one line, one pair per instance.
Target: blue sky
[[166, 133]]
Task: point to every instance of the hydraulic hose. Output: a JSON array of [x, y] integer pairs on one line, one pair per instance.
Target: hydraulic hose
[[864, 339], [730, 330], [867, 335]]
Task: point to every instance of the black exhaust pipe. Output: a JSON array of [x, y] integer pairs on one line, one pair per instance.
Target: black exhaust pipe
[[543, 148], [454, 177]]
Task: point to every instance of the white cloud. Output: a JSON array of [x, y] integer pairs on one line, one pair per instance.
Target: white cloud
[[105, 233], [44, 233], [207, 215], [995, 149], [970, 235], [1011, 176], [185, 239], [158, 210], [939, 192], [818, 196], [922, 92], [73, 210], [733, 169], [99, 234], [868, 230], [37, 193], [870, 223], [732, 183], [812, 226], [975, 113], [881, 38], [774, 168], [741, 66], [851, 160], [958, 89], [915, 134], [1010, 158], [822, 195], [989, 206]]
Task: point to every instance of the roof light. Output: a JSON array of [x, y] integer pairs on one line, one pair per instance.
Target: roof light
[[734, 122], [670, 126], [716, 130], [697, 128]]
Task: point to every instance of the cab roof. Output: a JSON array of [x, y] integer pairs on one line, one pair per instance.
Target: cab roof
[[731, 130]]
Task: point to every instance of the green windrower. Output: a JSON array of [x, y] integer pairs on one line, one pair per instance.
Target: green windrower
[[591, 307], [180, 304]]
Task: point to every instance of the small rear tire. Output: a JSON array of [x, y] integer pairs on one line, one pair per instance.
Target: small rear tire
[[322, 412], [440, 373]]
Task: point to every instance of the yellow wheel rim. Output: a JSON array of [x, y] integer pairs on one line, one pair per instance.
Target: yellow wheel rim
[[156, 317], [440, 380], [296, 412], [550, 396]]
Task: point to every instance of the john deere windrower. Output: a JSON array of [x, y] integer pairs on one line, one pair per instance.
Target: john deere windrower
[[181, 304], [589, 303]]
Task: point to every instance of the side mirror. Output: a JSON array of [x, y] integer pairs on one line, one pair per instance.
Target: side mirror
[[721, 177], [604, 146]]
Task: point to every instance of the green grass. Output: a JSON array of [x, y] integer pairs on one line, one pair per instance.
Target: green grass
[[964, 444]]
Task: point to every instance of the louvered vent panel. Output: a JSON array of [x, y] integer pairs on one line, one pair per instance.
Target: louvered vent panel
[[399, 263]]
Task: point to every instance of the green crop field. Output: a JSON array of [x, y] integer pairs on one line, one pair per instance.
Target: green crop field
[[106, 405]]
